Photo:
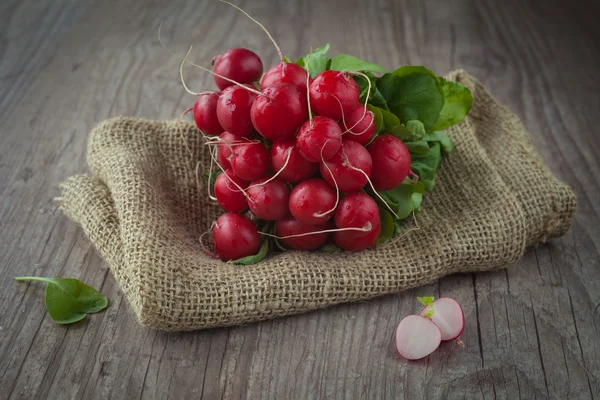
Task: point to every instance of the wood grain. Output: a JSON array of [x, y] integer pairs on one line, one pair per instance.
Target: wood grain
[[532, 330]]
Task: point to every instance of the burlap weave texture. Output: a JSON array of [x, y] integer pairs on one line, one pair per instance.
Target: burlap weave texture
[[141, 208]]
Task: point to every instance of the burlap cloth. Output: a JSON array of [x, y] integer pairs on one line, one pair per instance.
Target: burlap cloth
[[141, 208]]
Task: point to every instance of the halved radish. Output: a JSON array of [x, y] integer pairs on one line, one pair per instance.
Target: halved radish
[[417, 337], [448, 315]]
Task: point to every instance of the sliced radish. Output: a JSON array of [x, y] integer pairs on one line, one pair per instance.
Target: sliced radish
[[448, 315], [417, 337]]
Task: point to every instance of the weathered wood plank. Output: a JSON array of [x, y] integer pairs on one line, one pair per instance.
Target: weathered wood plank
[[532, 330]]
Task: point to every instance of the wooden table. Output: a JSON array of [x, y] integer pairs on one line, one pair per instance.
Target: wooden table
[[532, 329]]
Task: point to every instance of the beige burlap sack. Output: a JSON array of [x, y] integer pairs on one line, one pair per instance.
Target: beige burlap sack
[[143, 211]]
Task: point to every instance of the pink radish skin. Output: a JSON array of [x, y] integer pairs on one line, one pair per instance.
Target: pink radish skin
[[333, 94], [225, 153], [360, 126], [448, 316], [205, 114], [319, 139], [233, 110], [286, 73], [356, 210], [235, 236], [290, 226], [417, 337], [342, 165], [311, 199], [227, 193], [278, 114], [240, 65], [297, 169], [269, 201], [391, 162], [250, 161]]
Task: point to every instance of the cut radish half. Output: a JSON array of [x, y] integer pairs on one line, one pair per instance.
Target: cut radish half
[[417, 337], [448, 315]]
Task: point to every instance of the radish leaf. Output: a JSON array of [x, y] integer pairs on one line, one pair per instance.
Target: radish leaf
[[69, 300], [457, 104], [345, 62]]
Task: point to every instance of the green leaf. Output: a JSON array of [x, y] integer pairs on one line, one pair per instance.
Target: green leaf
[[375, 98], [345, 62], [413, 95], [377, 117], [315, 62], [441, 137], [390, 120], [426, 301], [211, 178], [414, 69], [387, 226], [405, 198], [329, 248], [287, 59], [425, 165], [418, 147], [417, 128], [69, 300], [457, 104], [265, 249]]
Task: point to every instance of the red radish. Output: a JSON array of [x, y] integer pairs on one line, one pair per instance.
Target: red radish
[[344, 164], [448, 315], [357, 210], [391, 162], [360, 126], [278, 114], [333, 94], [417, 337], [319, 139], [287, 73], [290, 227], [205, 114], [240, 65], [235, 236], [250, 161], [225, 153], [233, 110], [311, 200], [297, 169], [269, 198], [229, 196]]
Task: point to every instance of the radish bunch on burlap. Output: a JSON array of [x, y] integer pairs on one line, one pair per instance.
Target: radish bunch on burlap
[[322, 153]]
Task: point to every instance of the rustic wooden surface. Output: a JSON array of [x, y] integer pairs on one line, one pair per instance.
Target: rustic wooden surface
[[532, 329]]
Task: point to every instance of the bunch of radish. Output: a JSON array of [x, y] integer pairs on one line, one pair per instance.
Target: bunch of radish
[[310, 155], [419, 335]]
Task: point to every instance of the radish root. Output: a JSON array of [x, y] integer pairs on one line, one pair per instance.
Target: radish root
[[206, 69], [366, 228], [262, 27], [337, 189]]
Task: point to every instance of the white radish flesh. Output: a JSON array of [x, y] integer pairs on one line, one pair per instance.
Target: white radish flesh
[[417, 337], [448, 316]]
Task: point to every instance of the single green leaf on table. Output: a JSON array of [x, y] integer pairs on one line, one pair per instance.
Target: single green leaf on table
[[377, 117], [413, 93], [387, 226], [265, 249], [69, 300], [345, 62], [457, 103]]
